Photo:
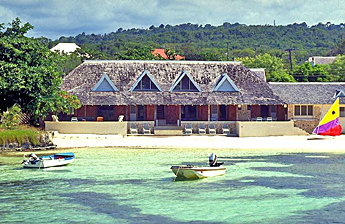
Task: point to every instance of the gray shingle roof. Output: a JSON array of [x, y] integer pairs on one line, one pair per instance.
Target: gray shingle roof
[[308, 93], [124, 74]]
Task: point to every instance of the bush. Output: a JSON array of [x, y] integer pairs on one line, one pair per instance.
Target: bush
[[19, 135], [11, 118]]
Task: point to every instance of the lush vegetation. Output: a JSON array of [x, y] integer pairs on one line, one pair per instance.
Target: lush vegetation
[[225, 42], [20, 135], [12, 132], [29, 74]]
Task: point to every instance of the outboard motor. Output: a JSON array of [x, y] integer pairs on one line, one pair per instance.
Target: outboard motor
[[213, 161], [33, 157]]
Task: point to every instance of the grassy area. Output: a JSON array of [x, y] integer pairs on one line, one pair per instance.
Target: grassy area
[[20, 135]]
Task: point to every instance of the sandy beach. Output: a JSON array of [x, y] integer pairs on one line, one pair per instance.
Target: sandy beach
[[279, 143]]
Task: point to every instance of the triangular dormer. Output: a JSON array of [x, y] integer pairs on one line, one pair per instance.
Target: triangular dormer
[[104, 85], [185, 83], [145, 82], [225, 84], [339, 93]]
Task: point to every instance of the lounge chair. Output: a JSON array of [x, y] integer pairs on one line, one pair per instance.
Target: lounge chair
[[146, 129], [55, 118], [133, 129], [189, 130], [212, 129], [121, 118], [226, 129], [259, 119], [202, 129]]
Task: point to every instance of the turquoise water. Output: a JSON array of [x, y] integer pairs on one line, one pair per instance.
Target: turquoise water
[[112, 185]]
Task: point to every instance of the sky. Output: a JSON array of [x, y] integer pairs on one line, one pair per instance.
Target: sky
[[56, 18]]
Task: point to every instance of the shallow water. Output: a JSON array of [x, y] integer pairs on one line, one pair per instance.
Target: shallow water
[[112, 185]]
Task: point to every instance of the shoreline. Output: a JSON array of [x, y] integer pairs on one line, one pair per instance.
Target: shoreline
[[273, 143]]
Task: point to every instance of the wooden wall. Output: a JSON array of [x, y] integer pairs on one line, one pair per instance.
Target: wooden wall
[[255, 111], [281, 111], [203, 113], [120, 110], [172, 114], [232, 111], [150, 113]]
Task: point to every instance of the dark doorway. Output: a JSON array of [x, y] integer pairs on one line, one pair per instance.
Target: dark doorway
[[141, 113], [188, 113], [161, 112], [264, 111], [107, 112], [222, 113]]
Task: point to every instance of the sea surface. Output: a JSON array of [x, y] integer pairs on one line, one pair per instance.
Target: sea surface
[[135, 185]]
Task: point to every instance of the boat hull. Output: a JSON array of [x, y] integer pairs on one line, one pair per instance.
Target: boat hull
[[193, 172], [61, 159]]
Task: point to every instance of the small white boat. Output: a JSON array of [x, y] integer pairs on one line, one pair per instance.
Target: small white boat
[[195, 172], [60, 159]]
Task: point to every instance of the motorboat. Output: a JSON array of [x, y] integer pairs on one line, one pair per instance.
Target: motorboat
[[197, 172], [59, 159]]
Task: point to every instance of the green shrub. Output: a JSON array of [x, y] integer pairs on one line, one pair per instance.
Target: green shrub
[[19, 135], [11, 118]]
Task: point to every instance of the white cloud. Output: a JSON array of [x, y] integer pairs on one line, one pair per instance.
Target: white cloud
[[55, 18]]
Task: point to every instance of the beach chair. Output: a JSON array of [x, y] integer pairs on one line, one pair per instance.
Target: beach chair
[[226, 129], [121, 118], [211, 129], [146, 129], [55, 118], [259, 119], [133, 130], [189, 130], [202, 129], [269, 119]]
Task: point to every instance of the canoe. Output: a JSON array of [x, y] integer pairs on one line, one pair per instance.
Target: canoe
[[59, 159], [195, 172]]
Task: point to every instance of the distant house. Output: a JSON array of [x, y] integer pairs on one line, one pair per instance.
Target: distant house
[[161, 52], [66, 48], [318, 60]]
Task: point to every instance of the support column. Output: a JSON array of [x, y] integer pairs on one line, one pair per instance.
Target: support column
[[208, 113]]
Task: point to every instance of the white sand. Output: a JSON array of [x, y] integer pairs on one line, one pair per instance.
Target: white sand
[[280, 143]]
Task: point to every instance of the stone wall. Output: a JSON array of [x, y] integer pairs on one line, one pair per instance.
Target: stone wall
[[306, 125], [45, 142], [243, 113]]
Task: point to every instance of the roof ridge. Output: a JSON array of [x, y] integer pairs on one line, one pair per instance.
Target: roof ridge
[[163, 61]]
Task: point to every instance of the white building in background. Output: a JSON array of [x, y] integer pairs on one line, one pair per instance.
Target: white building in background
[[65, 48], [319, 60]]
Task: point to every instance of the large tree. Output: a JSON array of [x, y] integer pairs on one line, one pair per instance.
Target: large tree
[[274, 66], [28, 74]]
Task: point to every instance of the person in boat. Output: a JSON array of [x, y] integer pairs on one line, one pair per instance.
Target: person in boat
[[213, 161]]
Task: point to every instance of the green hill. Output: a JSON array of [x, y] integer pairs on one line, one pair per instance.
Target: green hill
[[198, 42]]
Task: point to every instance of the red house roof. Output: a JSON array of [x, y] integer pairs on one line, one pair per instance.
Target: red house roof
[[160, 51]]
